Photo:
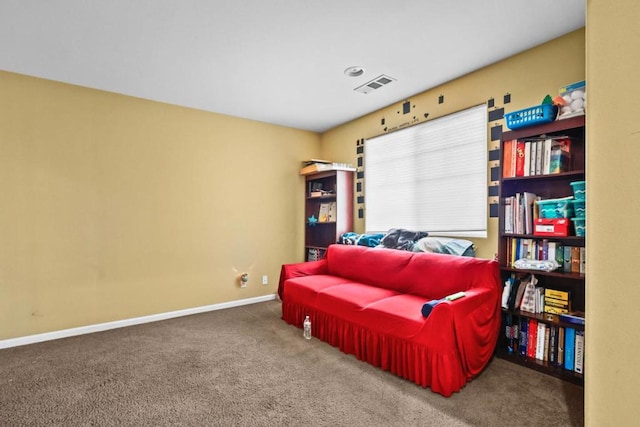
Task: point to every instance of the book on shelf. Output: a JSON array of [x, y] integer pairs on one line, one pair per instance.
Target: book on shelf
[[519, 292], [560, 352], [527, 159], [512, 334], [556, 302], [566, 265], [578, 362], [533, 147], [529, 297], [569, 348], [524, 328], [551, 250], [575, 259], [546, 157], [538, 159], [557, 294], [323, 213], [508, 159], [547, 338], [560, 155], [532, 338], [553, 344], [540, 340], [333, 212], [508, 214], [506, 291], [520, 146], [529, 207]]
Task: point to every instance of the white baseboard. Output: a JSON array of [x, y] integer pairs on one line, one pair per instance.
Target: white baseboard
[[48, 336]]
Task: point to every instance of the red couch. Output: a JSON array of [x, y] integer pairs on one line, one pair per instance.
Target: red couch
[[368, 302]]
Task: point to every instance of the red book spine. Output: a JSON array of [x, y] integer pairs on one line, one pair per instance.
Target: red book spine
[[532, 338], [520, 146], [507, 156]]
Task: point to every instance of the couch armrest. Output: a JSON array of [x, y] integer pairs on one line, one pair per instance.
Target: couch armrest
[[300, 269], [476, 324]]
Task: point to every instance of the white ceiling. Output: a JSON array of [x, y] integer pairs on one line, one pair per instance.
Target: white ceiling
[[276, 61]]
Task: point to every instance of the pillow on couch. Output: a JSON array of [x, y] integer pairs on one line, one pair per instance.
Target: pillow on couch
[[399, 238], [445, 245], [351, 238]]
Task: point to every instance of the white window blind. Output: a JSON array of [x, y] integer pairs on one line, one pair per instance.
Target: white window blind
[[430, 177]]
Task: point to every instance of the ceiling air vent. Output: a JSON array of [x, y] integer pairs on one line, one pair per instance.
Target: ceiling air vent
[[375, 84]]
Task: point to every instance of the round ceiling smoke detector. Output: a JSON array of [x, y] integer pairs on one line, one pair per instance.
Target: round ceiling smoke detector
[[354, 71]]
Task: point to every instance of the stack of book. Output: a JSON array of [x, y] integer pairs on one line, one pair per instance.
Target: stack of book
[[556, 302], [317, 165]]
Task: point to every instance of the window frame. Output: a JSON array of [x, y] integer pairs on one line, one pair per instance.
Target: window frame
[[412, 147]]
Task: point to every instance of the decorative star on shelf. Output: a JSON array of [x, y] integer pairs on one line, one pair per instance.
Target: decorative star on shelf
[[312, 220]]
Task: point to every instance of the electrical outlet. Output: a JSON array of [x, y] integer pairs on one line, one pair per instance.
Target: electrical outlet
[[265, 280]]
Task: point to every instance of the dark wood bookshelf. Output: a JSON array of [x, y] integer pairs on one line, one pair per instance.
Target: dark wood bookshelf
[[319, 235], [549, 186]]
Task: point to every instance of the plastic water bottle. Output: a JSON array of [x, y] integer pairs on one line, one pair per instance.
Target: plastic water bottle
[[307, 328]]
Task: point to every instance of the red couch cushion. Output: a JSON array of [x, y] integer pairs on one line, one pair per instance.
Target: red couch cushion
[[307, 288], [430, 275], [351, 297]]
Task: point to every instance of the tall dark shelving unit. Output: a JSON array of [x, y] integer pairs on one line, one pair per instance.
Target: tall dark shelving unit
[[337, 186], [547, 187]]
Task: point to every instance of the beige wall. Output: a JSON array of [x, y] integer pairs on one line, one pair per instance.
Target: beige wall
[[528, 77], [113, 207], [613, 210]]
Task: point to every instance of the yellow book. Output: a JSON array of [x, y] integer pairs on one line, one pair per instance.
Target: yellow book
[[552, 293], [552, 302], [555, 310], [323, 215]]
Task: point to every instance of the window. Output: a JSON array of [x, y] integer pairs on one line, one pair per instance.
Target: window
[[430, 177]]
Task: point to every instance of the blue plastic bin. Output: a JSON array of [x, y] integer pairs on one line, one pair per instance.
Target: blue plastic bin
[[545, 113]]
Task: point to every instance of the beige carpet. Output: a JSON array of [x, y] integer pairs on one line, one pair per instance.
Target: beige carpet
[[245, 367]]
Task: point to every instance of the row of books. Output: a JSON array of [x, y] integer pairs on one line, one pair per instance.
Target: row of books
[[523, 293], [536, 156], [327, 212], [571, 259], [520, 213], [557, 345]]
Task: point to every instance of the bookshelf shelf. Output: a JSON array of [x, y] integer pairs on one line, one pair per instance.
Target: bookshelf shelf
[[574, 175], [542, 317], [569, 279], [561, 274], [321, 234], [542, 366]]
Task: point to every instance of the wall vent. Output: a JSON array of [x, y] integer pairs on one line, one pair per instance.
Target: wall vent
[[375, 84]]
